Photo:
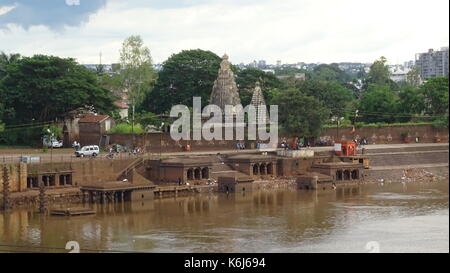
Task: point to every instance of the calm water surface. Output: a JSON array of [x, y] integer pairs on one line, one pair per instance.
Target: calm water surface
[[399, 218]]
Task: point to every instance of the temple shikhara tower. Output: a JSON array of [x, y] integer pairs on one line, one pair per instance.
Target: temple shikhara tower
[[260, 105], [225, 91]]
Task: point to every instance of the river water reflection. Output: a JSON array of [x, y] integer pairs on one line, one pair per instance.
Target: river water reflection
[[398, 218]]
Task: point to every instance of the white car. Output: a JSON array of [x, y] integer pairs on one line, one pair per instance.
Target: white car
[[53, 144], [92, 150]]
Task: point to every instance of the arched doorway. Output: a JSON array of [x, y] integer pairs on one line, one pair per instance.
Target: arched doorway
[[197, 174], [262, 169], [270, 168], [339, 175], [190, 174], [355, 174], [255, 169], [205, 173], [346, 175]]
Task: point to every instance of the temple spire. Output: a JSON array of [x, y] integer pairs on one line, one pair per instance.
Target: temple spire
[[259, 103], [225, 91]]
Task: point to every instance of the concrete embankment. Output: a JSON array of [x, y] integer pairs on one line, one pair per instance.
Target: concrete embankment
[[410, 163]]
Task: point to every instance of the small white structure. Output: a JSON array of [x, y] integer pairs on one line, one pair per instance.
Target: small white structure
[[305, 153]]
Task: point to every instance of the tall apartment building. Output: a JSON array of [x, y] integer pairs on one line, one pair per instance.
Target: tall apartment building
[[433, 63]]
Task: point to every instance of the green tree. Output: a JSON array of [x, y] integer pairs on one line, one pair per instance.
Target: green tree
[[290, 71], [300, 114], [148, 118], [378, 104], [435, 92], [332, 94], [329, 72], [410, 102], [42, 88], [379, 74], [136, 73], [184, 75], [246, 80], [413, 77], [6, 60]]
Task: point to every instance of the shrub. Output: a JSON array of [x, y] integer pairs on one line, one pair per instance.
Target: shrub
[[126, 128]]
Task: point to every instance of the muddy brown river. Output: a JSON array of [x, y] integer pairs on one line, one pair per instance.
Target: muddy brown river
[[391, 218]]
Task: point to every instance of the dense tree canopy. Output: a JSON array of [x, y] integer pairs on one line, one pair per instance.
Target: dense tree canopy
[[184, 75], [379, 74], [378, 104], [329, 72], [246, 80], [300, 114], [5, 60], [42, 88], [435, 93], [334, 96]]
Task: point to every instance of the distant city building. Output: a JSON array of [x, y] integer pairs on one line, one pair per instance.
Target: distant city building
[[269, 71], [433, 63], [262, 64], [123, 108], [297, 76], [158, 67], [278, 63], [409, 64], [106, 68], [399, 73]]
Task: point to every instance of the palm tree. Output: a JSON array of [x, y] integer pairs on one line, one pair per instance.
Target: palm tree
[[5, 60]]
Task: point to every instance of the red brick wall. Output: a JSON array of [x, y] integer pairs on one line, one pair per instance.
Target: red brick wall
[[155, 141], [391, 134]]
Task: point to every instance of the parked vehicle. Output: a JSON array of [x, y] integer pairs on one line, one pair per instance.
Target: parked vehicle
[[30, 159], [54, 143], [92, 150]]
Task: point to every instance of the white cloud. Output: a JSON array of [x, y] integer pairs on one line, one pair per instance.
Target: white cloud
[[288, 30], [6, 9]]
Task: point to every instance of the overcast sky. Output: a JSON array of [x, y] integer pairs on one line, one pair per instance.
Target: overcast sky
[[288, 30]]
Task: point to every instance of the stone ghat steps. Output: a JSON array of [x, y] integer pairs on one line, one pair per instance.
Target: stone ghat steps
[[412, 158], [407, 149]]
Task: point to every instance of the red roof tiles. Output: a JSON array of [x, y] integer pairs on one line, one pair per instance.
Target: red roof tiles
[[93, 118]]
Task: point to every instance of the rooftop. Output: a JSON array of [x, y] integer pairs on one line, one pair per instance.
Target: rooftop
[[93, 118]]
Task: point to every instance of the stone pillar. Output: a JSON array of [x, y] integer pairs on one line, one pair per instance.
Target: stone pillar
[[42, 199], [6, 198], [58, 179], [23, 175]]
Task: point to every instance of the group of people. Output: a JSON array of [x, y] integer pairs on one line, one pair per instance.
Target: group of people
[[240, 146], [296, 144], [76, 145]]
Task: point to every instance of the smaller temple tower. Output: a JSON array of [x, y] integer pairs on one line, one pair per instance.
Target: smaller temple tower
[[260, 105]]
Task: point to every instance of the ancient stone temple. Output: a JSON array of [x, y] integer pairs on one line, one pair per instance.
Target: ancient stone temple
[[225, 91], [260, 105]]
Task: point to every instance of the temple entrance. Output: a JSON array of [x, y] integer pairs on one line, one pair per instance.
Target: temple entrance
[[190, 174], [205, 173], [255, 169], [197, 175], [346, 175], [355, 174], [338, 175]]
